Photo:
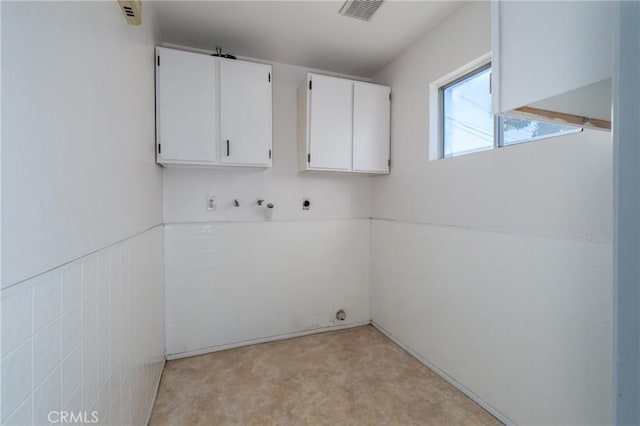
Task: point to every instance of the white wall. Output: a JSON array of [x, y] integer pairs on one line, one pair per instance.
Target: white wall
[[78, 168], [0, 153], [82, 284], [627, 215], [496, 266], [233, 275], [552, 187]]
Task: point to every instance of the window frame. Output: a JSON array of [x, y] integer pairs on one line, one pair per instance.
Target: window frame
[[436, 111], [442, 88], [436, 103]]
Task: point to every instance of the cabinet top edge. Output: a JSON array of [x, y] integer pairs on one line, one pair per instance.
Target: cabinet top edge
[[311, 74], [208, 54]]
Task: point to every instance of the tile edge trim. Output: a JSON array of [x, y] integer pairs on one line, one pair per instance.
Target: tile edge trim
[[75, 259], [155, 394]]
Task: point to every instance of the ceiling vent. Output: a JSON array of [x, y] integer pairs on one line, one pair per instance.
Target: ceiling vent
[[360, 9], [132, 10]]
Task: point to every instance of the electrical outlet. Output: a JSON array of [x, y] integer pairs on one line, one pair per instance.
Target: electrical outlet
[[211, 203]]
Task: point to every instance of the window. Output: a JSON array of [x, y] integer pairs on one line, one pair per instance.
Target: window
[[468, 124], [467, 116], [517, 130]]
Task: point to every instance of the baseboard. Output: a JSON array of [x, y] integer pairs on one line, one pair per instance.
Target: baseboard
[[155, 393], [267, 339], [495, 413]]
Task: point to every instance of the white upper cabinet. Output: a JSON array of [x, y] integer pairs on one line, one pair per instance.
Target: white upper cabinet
[[245, 112], [343, 125], [186, 99], [553, 56], [204, 101], [371, 127]]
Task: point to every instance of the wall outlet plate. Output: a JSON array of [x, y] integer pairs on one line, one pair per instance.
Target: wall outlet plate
[[211, 203]]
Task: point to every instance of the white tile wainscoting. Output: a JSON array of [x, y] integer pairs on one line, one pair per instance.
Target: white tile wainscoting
[[233, 283], [86, 336], [524, 323]]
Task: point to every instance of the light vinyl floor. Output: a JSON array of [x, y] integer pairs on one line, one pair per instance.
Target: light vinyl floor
[[348, 377]]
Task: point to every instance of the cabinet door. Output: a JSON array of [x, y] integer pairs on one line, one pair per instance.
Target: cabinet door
[[185, 107], [245, 103], [330, 123], [371, 127]]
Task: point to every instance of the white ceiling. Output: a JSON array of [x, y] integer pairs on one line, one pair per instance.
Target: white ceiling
[[307, 33]]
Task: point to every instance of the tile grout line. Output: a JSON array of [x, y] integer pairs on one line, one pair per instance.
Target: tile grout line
[[62, 280], [31, 388], [15, 410], [82, 336]]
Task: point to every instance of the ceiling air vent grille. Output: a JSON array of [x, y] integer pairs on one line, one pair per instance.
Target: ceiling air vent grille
[[360, 9], [132, 10]]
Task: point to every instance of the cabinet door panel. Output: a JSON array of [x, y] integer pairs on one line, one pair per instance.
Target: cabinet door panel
[[331, 123], [245, 116], [186, 106], [371, 127]]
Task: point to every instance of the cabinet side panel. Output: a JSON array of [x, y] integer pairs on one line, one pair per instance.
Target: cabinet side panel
[[156, 77], [496, 56], [302, 123]]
